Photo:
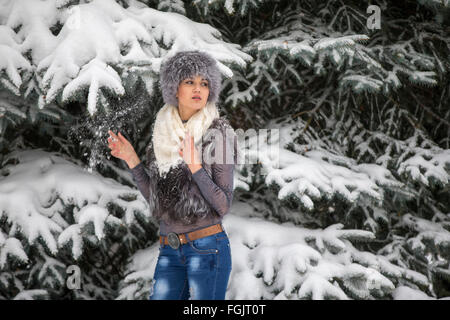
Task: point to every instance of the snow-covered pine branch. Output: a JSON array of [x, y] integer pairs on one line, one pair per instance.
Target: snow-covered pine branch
[[56, 214], [273, 261], [312, 175], [36, 192], [363, 116], [239, 8], [427, 249], [77, 66]]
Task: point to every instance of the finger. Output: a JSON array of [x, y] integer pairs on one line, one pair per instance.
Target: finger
[[111, 145], [122, 138], [113, 135]]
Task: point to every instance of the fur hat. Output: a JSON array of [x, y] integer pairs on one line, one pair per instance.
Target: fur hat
[[186, 64]]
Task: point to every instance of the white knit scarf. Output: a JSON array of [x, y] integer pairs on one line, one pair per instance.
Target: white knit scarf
[[169, 131]]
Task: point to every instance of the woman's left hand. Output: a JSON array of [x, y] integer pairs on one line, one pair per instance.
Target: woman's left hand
[[190, 154]]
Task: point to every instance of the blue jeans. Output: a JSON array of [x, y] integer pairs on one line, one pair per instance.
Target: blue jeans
[[199, 270]]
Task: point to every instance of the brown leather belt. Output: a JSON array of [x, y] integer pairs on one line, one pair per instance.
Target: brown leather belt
[[194, 235]]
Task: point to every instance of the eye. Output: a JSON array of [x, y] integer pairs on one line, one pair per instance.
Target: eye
[[190, 81]]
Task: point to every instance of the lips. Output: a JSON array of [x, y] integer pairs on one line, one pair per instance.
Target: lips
[[196, 98]]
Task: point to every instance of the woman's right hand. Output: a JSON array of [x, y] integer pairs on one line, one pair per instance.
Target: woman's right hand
[[121, 148]]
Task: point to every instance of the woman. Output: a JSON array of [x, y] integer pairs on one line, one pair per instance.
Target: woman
[[187, 194]]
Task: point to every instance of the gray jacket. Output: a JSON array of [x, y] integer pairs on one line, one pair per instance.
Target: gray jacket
[[182, 201]]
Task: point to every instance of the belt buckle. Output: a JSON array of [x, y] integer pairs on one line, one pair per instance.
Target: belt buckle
[[174, 241]]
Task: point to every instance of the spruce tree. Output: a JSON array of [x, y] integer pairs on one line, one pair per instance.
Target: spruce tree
[[347, 198]]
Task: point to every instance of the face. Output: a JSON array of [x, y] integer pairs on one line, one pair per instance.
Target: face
[[190, 88]]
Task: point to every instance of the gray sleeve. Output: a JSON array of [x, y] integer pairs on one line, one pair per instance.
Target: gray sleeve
[[218, 189], [142, 180]]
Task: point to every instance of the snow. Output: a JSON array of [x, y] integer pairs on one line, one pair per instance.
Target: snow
[[99, 216], [35, 190], [72, 233], [434, 167], [284, 261], [74, 60], [407, 293], [309, 176], [31, 294], [361, 83], [11, 63], [326, 43], [12, 247], [271, 260], [428, 232]]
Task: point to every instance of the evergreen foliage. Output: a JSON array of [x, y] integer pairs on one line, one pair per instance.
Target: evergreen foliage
[[353, 191]]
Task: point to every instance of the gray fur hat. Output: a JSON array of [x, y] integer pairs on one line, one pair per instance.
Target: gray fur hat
[[185, 64]]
